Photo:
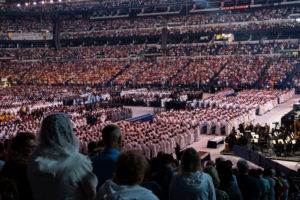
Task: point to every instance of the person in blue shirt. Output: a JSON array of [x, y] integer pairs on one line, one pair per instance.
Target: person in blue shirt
[[104, 163]]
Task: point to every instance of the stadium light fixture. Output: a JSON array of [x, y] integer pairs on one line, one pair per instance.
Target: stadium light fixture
[[19, 5], [43, 2], [51, 1], [26, 4], [34, 3]]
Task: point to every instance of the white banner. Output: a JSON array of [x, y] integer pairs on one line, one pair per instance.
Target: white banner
[[32, 36]]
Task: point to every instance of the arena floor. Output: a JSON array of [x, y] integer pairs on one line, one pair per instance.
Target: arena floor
[[270, 117]]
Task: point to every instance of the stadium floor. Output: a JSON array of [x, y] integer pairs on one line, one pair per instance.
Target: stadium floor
[[270, 117]]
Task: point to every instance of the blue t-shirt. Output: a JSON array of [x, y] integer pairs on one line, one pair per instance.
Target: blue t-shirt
[[104, 164]]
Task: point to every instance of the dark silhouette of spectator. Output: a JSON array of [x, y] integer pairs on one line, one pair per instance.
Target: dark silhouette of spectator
[[15, 168], [164, 175], [248, 185], [227, 182], [104, 163]]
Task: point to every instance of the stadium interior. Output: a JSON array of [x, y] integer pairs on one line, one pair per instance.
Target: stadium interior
[[172, 77]]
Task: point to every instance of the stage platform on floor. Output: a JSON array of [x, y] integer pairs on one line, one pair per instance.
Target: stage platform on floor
[[204, 155]]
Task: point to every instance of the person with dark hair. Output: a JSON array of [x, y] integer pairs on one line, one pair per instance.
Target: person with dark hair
[[268, 174], [91, 147], [130, 170], [2, 162], [56, 168], [5, 144], [220, 194], [191, 182], [152, 185], [264, 184], [227, 182], [164, 175], [104, 163], [15, 169], [249, 186]]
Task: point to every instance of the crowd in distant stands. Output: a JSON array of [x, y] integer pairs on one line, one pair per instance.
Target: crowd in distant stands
[[50, 7], [278, 71], [123, 51], [119, 65], [153, 25]]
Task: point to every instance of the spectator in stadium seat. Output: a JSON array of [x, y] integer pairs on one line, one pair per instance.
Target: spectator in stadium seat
[[2, 162], [15, 168], [104, 163], [249, 186], [191, 182], [131, 167], [56, 168]]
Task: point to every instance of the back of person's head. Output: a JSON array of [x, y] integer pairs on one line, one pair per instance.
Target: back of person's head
[[92, 146], [214, 175], [6, 142], [167, 160], [131, 167], [259, 172], [253, 173], [21, 146], [190, 161], [56, 136], [111, 135], [225, 171], [210, 163], [1, 151], [219, 160], [242, 166], [267, 172]]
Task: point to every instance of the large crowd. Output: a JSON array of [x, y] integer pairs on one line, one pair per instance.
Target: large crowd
[[54, 166], [259, 19], [223, 70], [66, 131], [218, 115]]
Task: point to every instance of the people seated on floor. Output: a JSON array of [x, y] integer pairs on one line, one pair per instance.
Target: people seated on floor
[[191, 182], [14, 181], [129, 173], [56, 169], [104, 163]]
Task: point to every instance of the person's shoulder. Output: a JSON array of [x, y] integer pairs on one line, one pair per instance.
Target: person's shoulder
[[145, 194]]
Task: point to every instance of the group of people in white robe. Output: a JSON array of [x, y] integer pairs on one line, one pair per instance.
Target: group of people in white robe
[[217, 115]]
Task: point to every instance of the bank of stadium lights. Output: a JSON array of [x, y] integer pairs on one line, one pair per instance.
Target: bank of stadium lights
[[42, 2]]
